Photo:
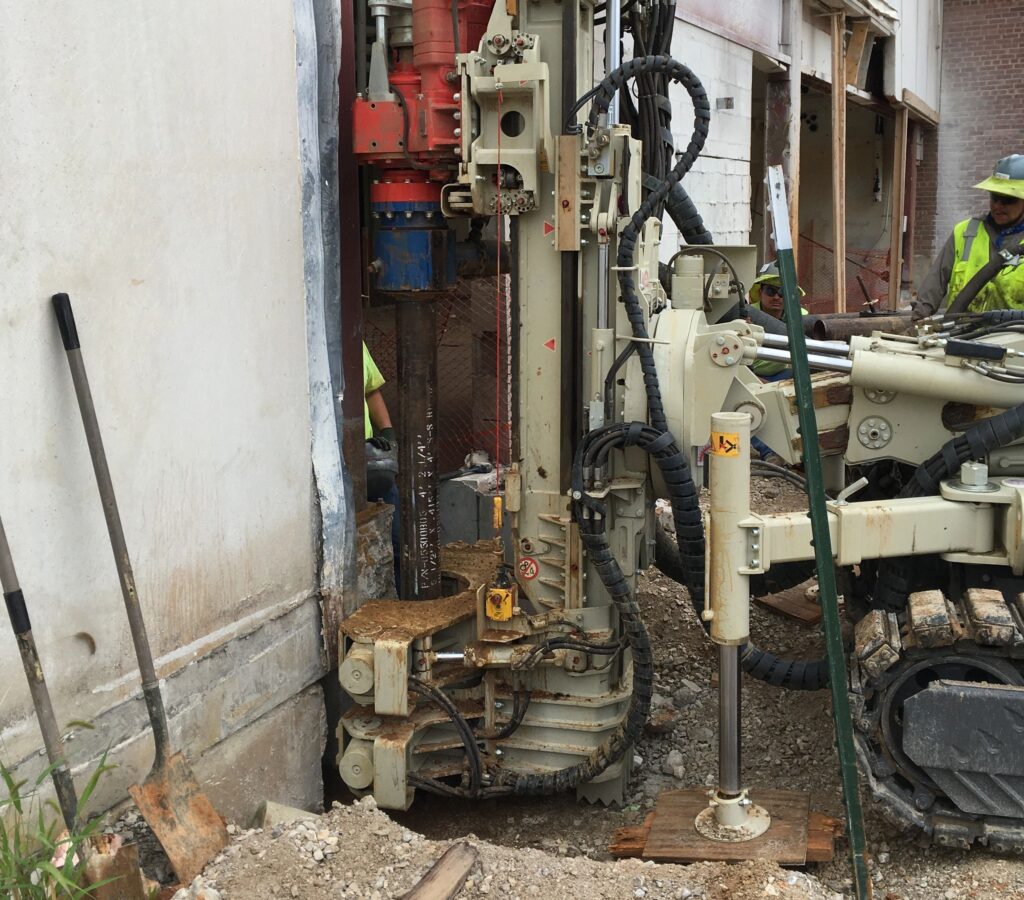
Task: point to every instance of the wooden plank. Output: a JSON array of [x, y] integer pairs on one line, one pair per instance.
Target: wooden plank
[[898, 210], [855, 52], [839, 157], [629, 842], [445, 878], [793, 605], [567, 213], [920, 109], [822, 832], [673, 837]]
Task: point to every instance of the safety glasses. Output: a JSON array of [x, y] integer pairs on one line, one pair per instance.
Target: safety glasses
[[771, 290], [1003, 200]]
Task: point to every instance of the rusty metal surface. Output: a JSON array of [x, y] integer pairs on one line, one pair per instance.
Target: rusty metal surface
[[839, 327], [413, 619], [181, 816], [469, 564], [420, 521]]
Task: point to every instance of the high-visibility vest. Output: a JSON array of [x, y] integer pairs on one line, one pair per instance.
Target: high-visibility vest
[[972, 246]]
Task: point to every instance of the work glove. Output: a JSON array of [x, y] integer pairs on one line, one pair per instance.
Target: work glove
[[385, 441], [919, 311]]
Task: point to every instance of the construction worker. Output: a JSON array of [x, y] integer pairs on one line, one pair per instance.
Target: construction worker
[[381, 448], [766, 295], [981, 266]]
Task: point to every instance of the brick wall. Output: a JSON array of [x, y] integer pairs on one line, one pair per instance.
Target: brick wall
[[980, 118]]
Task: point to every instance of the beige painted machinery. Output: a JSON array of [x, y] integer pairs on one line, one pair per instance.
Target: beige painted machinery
[[534, 673]]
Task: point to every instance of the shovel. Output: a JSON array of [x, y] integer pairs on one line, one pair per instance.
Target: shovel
[[52, 740], [170, 800]]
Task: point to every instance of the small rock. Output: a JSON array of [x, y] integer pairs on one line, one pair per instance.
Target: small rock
[[318, 855]]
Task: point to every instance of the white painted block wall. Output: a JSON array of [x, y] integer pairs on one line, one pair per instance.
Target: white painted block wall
[[719, 183], [149, 168]]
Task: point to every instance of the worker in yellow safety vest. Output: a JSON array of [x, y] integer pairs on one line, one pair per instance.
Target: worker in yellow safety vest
[[766, 295], [981, 266]]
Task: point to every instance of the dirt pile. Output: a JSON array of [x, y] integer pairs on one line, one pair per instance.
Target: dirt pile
[[357, 851]]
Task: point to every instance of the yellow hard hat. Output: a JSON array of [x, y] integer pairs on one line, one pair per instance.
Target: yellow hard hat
[[1007, 177], [768, 274]]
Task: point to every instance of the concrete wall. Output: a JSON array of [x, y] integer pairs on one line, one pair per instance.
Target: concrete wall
[[150, 160], [719, 183]]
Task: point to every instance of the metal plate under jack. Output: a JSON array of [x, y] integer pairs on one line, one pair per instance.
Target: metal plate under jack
[[756, 822], [673, 835]]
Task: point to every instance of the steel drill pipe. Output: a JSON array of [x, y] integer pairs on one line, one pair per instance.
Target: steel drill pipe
[[417, 429]]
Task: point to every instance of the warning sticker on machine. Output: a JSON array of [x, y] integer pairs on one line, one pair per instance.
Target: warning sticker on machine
[[528, 568], [725, 443]]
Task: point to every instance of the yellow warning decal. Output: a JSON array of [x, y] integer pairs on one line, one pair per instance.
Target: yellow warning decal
[[725, 443]]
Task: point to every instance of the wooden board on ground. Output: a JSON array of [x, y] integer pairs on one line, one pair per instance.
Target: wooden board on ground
[[793, 605], [796, 835], [628, 842]]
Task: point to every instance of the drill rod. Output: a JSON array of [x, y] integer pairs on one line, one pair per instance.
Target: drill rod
[[420, 513]]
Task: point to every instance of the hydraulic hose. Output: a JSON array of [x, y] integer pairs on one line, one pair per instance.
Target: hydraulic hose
[[756, 316], [802, 675], [602, 98], [591, 515], [896, 576], [682, 212]]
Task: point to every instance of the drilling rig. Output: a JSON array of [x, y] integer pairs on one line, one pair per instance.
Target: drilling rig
[[526, 668]]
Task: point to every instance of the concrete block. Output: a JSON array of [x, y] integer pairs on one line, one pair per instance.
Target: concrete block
[[276, 758], [374, 557], [269, 814]]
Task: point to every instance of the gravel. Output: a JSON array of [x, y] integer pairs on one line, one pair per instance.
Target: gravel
[[356, 851]]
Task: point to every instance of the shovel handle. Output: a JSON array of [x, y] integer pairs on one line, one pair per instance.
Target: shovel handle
[[52, 740], [66, 321], [150, 685]]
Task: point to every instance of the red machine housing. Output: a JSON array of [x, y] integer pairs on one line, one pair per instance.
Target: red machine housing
[[425, 134]]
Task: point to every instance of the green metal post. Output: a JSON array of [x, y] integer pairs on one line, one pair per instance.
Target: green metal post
[[819, 528]]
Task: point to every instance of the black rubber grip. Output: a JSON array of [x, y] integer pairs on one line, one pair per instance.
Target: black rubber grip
[[66, 321], [974, 349], [18, 612]]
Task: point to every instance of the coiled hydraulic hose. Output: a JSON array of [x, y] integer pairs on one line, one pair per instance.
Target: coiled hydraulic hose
[[896, 576]]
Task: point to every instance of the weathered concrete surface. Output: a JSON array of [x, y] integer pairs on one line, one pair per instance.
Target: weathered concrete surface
[[374, 556], [208, 701], [163, 194], [276, 758]]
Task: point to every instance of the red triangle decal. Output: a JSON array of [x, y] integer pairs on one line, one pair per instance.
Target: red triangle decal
[[550, 345], [548, 229]]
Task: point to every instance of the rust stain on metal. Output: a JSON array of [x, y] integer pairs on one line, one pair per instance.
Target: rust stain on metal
[[961, 416], [469, 564]]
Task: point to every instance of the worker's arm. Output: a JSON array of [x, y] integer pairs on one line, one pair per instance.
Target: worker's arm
[[380, 418], [932, 293]]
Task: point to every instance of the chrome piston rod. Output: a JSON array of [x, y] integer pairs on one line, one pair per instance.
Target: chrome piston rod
[[831, 348], [814, 360]]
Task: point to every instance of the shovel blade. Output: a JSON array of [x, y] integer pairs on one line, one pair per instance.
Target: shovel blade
[[181, 816]]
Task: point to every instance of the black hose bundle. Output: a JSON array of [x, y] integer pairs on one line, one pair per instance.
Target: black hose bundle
[[591, 514], [896, 576], [602, 96]]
